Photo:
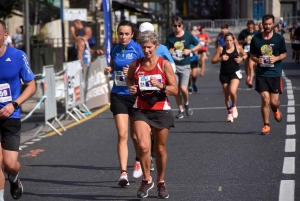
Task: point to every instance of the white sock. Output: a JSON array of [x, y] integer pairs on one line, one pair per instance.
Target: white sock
[[187, 103], [2, 195], [182, 110], [13, 178]]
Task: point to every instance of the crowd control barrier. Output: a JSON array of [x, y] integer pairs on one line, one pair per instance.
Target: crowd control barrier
[[74, 91]]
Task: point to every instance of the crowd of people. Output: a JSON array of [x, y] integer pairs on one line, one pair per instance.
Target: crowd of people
[[146, 74]]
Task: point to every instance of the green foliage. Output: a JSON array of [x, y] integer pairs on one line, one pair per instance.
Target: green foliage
[[6, 7]]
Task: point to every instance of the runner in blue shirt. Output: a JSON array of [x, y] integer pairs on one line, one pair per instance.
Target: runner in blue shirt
[[14, 66], [121, 56]]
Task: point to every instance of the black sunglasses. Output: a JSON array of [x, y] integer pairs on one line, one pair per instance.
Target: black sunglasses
[[179, 25]]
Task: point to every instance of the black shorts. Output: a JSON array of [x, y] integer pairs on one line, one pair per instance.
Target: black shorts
[[194, 64], [10, 134], [155, 118], [296, 46], [121, 104], [269, 84], [226, 78]]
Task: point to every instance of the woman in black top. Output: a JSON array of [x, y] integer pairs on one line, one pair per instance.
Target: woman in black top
[[230, 56]]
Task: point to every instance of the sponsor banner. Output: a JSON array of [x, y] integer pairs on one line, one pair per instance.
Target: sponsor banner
[[107, 28]]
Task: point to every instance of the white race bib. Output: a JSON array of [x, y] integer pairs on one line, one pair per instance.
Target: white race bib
[[178, 55], [239, 74], [247, 48], [120, 78], [5, 93], [266, 62], [144, 82]]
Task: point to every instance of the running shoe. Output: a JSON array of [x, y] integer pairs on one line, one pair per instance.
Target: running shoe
[[16, 189], [179, 115], [144, 188], [137, 170], [190, 90], [277, 115], [162, 193], [230, 117], [265, 130], [188, 110], [195, 89], [235, 112], [123, 180], [152, 165], [250, 85], [247, 80]]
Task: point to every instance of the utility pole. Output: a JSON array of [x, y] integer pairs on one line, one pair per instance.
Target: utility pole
[[62, 28], [169, 15], [27, 31]]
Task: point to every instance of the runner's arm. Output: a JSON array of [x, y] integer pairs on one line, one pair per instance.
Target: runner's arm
[[130, 79], [80, 49], [171, 85], [217, 57]]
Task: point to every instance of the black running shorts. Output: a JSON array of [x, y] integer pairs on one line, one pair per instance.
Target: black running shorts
[[226, 78], [269, 84], [10, 134], [194, 64], [121, 104], [155, 118]]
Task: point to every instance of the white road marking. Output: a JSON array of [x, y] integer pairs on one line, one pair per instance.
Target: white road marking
[[36, 140], [288, 165], [290, 96], [42, 136], [220, 188], [287, 190], [291, 129], [289, 91], [23, 146], [289, 87], [290, 118], [291, 103], [290, 145], [291, 110], [29, 143], [288, 84]]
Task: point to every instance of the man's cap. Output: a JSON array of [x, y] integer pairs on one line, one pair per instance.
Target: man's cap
[[146, 26], [281, 18]]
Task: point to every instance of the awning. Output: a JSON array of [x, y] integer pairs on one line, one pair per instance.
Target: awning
[[120, 5]]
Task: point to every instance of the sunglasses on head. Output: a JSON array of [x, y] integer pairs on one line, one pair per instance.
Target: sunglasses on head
[[177, 25]]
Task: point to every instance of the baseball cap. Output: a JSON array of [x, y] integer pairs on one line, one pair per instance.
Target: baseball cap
[[146, 26], [281, 18]]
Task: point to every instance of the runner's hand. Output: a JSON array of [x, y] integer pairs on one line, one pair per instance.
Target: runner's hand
[[171, 50], [107, 70], [6, 111], [187, 52], [125, 70], [238, 59], [260, 60], [273, 59], [155, 82], [133, 89]]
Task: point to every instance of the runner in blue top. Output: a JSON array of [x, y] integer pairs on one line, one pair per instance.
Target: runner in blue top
[[121, 101], [14, 66], [161, 51]]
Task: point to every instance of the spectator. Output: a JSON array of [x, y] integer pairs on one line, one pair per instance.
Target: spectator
[[8, 41], [17, 38], [282, 24]]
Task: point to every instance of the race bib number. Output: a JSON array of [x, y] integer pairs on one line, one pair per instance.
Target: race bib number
[[120, 78], [178, 55], [266, 62], [5, 93], [239, 74], [144, 82], [247, 48]]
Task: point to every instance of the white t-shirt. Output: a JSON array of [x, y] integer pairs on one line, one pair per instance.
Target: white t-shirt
[[8, 40]]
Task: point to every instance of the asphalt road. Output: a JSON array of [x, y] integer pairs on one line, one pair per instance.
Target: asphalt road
[[208, 158]]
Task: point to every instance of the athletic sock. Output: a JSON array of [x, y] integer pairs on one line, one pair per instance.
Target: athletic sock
[[182, 110], [13, 178], [2, 195], [187, 103], [123, 171], [266, 124], [233, 105]]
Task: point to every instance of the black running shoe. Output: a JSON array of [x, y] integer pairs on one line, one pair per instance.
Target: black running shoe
[[16, 189], [162, 193], [144, 188]]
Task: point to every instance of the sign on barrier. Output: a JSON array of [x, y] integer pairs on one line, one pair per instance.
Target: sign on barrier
[[74, 85], [97, 84]]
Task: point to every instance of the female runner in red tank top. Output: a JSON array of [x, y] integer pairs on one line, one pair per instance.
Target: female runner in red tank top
[[152, 78]]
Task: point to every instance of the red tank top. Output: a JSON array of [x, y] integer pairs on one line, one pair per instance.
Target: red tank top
[[142, 78]]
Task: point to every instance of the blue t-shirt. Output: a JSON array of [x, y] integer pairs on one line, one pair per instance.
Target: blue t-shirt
[[221, 39], [162, 51], [121, 57], [14, 66], [194, 57]]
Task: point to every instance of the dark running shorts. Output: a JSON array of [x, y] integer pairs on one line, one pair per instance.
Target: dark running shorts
[[296, 46], [269, 84], [194, 64], [121, 104], [226, 78], [10, 134], [155, 118]]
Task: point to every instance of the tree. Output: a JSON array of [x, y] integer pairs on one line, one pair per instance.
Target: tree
[[7, 6]]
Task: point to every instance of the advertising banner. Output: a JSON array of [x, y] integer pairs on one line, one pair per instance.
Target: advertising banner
[[107, 28]]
